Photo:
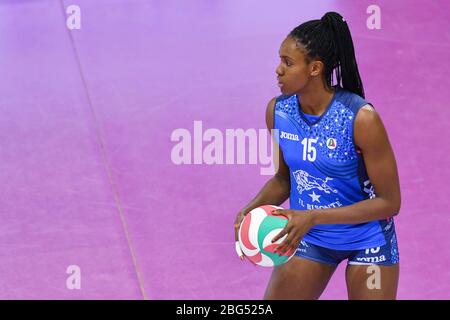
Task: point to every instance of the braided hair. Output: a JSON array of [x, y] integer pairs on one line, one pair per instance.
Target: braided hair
[[329, 40]]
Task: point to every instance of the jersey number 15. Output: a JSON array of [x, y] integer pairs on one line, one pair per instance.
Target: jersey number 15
[[308, 149]]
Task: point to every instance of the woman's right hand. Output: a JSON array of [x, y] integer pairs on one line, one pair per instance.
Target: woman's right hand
[[237, 223]]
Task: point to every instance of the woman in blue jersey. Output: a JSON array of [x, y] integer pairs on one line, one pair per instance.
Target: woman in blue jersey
[[337, 168]]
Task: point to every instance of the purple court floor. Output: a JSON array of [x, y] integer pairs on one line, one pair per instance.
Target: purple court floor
[[85, 141]]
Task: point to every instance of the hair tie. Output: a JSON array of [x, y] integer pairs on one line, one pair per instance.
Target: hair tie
[[327, 18]]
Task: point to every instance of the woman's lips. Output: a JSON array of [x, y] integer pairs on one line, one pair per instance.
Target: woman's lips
[[280, 84]]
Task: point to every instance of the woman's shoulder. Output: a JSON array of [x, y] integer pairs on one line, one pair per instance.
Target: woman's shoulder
[[271, 106], [270, 112], [283, 97], [351, 100]]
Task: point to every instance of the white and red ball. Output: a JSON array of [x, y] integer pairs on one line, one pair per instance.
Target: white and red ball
[[256, 232]]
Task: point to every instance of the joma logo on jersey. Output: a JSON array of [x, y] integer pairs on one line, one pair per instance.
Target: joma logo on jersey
[[379, 259], [289, 136]]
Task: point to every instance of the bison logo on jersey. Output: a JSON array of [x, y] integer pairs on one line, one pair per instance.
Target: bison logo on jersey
[[305, 182]]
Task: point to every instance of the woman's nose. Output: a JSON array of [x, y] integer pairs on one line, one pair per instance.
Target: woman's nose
[[279, 70]]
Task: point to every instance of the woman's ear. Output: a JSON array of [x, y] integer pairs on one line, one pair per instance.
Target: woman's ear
[[316, 68]]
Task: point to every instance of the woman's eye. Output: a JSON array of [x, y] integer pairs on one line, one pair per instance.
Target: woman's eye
[[288, 63]]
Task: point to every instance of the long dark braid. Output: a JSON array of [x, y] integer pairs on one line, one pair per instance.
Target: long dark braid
[[330, 41]]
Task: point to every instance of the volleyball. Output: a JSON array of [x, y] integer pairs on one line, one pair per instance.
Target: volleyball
[[256, 232]]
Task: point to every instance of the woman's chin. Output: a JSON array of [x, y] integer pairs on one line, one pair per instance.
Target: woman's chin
[[284, 91]]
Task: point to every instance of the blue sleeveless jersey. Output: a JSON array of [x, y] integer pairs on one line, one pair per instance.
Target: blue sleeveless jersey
[[326, 171]]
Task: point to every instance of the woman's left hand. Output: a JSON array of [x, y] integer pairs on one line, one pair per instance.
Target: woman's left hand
[[300, 221]]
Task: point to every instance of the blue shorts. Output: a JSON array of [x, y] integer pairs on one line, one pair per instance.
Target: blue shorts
[[386, 255]]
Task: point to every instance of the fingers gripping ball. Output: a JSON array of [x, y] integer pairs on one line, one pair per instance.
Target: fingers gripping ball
[[256, 232]]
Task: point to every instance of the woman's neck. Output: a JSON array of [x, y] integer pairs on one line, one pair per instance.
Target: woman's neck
[[315, 101]]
